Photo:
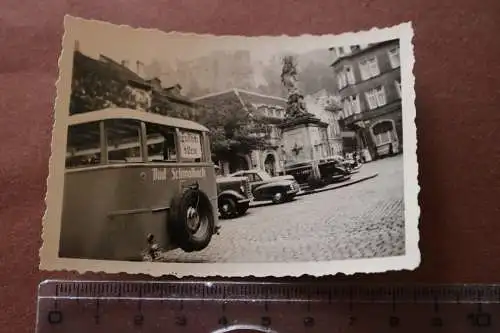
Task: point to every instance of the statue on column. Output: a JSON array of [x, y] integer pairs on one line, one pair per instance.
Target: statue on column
[[296, 106]]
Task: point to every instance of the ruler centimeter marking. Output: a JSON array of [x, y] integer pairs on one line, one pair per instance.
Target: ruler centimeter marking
[[271, 291], [103, 306]]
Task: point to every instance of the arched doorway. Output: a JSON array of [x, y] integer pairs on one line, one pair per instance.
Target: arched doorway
[[270, 164], [238, 163]]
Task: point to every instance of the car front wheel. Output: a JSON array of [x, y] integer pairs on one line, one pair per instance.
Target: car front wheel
[[279, 197], [227, 208]]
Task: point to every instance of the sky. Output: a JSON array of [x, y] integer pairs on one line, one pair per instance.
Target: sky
[[168, 48], [148, 45], [145, 45]]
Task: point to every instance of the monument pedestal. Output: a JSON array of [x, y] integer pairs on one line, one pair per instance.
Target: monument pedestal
[[304, 140]]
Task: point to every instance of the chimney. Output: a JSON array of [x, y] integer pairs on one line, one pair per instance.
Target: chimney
[[139, 68], [125, 63]]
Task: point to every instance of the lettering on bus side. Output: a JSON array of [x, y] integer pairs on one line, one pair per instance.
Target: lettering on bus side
[[159, 174], [162, 174]]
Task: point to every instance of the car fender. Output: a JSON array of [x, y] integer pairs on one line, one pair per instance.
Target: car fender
[[278, 184], [232, 194]]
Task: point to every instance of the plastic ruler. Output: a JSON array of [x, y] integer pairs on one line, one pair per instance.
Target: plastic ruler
[[199, 306]]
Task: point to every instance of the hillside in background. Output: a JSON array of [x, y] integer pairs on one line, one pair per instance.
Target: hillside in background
[[221, 71]]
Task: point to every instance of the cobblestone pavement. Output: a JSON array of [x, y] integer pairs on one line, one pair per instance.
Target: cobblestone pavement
[[361, 220]]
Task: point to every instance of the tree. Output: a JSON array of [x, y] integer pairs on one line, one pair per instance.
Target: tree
[[234, 128]]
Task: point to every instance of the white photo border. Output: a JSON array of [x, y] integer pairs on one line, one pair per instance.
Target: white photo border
[[75, 27]]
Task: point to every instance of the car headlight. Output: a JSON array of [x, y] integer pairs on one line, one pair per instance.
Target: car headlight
[[242, 189]]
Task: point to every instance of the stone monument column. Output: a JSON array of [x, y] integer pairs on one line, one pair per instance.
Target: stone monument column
[[300, 129]]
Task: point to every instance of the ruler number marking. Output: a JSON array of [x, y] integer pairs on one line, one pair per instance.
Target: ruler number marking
[[55, 317], [181, 321], [139, 320], [394, 321], [437, 322], [265, 321], [480, 319], [309, 322], [223, 321]]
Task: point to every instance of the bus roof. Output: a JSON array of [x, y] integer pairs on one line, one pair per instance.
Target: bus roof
[[123, 113]]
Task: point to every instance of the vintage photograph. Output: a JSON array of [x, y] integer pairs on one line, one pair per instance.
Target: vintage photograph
[[203, 155]]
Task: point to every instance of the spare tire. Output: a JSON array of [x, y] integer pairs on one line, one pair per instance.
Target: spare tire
[[191, 220]]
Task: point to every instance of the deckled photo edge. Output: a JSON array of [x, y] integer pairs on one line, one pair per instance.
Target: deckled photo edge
[[412, 187], [55, 179], [49, 259]]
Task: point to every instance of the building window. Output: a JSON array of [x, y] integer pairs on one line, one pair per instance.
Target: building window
[[394, 57], [351, 105], [382, 138], [341, 51], [347, 108], [355, 48], [383, 133], [356, 106], [369, 68], [380, 92], [350, 75], [376, 97], [341, 80], [345, 77], [397, 83]]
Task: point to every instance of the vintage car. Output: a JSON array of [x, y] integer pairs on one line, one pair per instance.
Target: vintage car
[[234, 196], [134, 183], [318, 173], [350, 164], [265, 187], [353, 161]]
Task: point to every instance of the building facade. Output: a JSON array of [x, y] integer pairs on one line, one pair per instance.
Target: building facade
[[369, 83], [268, 109], [327, 107]]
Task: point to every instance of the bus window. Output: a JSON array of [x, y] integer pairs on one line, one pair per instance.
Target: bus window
[[123, 137], [161, 143], [83, 146]]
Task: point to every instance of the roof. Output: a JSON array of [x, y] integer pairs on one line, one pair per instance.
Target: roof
[[108, 67], [105, 67], [123, 113], [244, 97], [125, 72], [364, 51], [255, 98]]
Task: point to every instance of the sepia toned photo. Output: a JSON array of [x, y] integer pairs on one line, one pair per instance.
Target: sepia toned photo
[[202, 155]]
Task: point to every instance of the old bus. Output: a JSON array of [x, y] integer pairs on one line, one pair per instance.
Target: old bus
[[135, 181]]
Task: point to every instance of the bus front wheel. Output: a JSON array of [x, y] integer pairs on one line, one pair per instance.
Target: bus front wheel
[[191, 220]]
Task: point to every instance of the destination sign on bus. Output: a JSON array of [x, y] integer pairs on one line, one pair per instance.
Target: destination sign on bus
[[190, 145]]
